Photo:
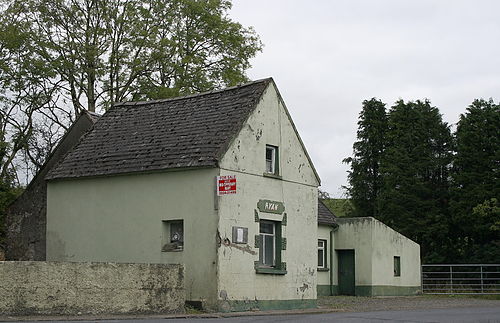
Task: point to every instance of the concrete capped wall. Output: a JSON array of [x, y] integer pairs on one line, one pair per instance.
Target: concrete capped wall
[[90, 288], [240, 287], [356, 233], [388, 243], [375, 246], [120, 219]]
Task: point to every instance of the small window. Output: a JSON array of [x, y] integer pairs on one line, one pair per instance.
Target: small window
[[322, 258], [397, 266], [271, 159], [173, 235]]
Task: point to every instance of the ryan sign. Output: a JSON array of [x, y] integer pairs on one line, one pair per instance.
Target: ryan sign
[[226, 185]]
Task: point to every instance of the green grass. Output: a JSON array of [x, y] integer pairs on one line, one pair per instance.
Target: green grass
[[339, 207]]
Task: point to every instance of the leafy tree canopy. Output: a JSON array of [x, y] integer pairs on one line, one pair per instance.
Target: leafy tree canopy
[[59, 57]]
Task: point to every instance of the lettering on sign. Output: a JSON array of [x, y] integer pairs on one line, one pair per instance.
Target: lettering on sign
[[270, 206], [226, 185]]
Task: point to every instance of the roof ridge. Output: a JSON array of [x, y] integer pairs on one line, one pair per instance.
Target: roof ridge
[[189, 96]]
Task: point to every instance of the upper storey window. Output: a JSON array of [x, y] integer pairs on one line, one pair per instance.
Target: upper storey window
[[272, 160]]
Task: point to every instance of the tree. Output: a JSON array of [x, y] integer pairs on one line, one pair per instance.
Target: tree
[[27, 96], [415, 170], [59, 57], [105, 51], [475, 181], [364, 177], [62, 56]]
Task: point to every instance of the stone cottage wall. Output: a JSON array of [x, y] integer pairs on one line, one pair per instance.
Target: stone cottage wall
[[53, 288]]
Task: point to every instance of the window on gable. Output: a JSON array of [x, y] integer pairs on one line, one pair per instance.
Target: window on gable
[[322, 255], [270, 244], [272, 159], [173, 235], [267, 255], [397, 266]]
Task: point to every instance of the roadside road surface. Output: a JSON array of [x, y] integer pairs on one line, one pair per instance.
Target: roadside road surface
[[448, 315]]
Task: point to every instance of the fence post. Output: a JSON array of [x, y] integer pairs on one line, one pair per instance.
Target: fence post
[[451, 279], [422, 277], [482, 290]]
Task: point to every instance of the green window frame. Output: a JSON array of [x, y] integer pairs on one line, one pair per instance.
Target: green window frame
[[270, 243]]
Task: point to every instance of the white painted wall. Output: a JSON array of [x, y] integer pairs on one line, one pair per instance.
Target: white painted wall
[[324, 276], [356, 233], [388, 243], [269, 124], [375, 246]]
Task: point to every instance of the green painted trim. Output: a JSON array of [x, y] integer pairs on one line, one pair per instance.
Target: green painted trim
[[270, 270], [387, 290], [265, 305], [323, 269], [269, 206], [324, 290], [256, 214]]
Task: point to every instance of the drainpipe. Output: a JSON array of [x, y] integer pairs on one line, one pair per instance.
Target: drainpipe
[[335, 228]]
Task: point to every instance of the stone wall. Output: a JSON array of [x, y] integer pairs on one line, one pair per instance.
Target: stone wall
[[54, 288]]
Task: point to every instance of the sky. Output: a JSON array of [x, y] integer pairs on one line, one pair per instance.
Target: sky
[[328, 56]]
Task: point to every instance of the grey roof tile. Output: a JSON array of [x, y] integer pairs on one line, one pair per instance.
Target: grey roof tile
[[191, 131], [325, 216]]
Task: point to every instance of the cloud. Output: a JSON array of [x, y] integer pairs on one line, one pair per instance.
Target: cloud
[[328, 56]]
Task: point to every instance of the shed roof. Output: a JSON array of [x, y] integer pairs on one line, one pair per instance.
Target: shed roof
[[190, 131], [325, 216]]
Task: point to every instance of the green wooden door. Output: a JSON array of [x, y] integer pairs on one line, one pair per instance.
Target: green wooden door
[[346, 272]]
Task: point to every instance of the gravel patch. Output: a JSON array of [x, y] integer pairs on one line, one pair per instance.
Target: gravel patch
[[387, 303]]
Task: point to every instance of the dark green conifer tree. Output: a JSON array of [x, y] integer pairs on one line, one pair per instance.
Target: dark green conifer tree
[[476, 185], [415, 171], [364, 177]]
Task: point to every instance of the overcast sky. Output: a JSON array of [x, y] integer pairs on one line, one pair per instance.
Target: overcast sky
[[328, 56]]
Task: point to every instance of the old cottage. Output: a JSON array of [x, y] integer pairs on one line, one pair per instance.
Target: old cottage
[[141, 187], [221, 183]]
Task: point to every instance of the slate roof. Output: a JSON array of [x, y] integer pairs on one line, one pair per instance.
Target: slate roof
[[190, 131], [325, 216]]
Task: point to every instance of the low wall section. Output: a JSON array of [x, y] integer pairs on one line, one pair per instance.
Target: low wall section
[[28, 287]]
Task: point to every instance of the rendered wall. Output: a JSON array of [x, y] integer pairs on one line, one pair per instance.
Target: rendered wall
[[240, 287], [356, 233], [375, 246], [119, 219], [90, 288], [27, 216], [388, 243], [324, 278]]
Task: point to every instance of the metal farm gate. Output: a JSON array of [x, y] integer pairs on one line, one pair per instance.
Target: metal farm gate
[[461, 279]]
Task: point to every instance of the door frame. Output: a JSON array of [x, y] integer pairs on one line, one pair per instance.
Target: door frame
[[346, 252]]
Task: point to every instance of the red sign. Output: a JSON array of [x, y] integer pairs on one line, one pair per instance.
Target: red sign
[[226, 184]]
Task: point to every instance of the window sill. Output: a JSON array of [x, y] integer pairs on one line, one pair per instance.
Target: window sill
[[323, 269], [272, 175], [270, 270], [172, 247]]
